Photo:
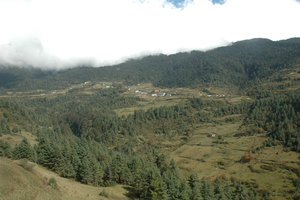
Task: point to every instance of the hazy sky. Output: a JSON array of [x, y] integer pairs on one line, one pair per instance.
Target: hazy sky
[[64, 33]]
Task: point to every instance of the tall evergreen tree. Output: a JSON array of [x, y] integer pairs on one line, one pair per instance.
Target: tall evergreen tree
[[24, 150]]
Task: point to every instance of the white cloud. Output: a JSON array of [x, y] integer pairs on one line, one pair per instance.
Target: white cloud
[[63, 33]]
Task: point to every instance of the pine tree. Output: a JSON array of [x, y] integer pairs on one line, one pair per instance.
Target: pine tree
[[207, 190], [173, 185], [5, 149], [195, 187], [23, 150], [48, 155], [86, 173], [97, 172], [65, 168], [185, 191]]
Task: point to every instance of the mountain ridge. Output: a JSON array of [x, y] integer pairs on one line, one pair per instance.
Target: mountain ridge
[[236, 64]]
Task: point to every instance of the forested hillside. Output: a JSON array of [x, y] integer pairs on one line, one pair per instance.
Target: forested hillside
[[222, 124], [236, 65]]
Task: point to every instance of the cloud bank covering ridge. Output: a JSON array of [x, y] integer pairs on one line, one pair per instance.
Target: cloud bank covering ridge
[[64, 33]]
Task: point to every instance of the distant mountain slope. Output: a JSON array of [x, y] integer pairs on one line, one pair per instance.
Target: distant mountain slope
[[234, 65]]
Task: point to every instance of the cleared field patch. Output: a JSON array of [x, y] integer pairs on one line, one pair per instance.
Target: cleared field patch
[[269, 169], [238, 99], [149, 102], [16, 138]]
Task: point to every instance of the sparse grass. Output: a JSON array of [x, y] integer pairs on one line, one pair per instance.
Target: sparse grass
[[26, 164], [72, 190], [18, 183]]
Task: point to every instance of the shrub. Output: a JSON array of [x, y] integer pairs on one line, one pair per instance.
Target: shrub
[[296, 183], [15, 129], [247, 157], [103, 193], [52, 182], [26, 165]]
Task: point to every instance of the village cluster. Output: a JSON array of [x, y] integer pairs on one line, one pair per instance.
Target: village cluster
[[154, 93], [216, 95]]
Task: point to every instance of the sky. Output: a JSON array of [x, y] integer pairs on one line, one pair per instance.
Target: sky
[[58, 34]]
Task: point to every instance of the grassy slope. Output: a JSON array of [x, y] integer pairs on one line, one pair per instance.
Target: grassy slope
[[211, 160], [18, 183]]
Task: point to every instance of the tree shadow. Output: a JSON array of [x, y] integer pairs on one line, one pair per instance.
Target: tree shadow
[[131, 193]]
